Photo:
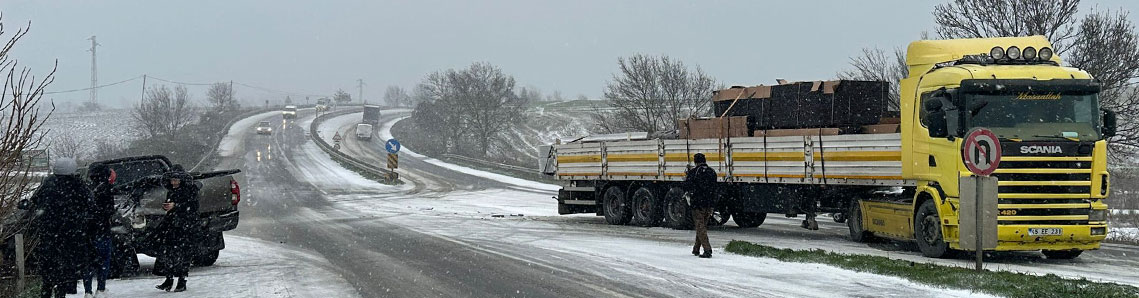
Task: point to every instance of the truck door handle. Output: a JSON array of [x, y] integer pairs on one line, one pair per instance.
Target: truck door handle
[[932, 161]]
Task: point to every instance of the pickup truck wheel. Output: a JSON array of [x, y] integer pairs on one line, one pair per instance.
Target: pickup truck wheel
[[854, 223], [1062, 254], [927, 232], [646, 207], [615, 206], [749, 219], [677, 213], [206, 259]]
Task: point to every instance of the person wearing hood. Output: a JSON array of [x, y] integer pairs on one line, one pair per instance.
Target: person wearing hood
[[102, 212], [178, 229], [59, 208]]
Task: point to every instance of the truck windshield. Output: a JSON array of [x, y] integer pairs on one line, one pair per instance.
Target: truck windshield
[[1036, 116]]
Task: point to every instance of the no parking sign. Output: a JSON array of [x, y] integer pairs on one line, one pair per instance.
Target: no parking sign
[[981, 152]]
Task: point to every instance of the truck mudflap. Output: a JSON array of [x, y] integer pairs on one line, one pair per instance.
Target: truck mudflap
[[223, 221]]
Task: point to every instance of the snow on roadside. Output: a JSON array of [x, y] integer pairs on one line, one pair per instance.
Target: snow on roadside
[[385, 132], [330, 127], [233, 139], [246, 268]]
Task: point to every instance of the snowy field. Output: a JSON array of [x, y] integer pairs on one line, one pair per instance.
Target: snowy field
[[90, 127], [246, 268]]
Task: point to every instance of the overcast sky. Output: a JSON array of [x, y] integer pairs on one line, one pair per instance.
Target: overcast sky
[[317, 47]]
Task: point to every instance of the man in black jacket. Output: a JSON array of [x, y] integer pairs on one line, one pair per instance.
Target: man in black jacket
[[102, 212], [179, 228], [700, 182]]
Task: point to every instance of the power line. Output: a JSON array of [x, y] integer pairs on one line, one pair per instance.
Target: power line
[[96, 87], [276, 91], [180, 83]]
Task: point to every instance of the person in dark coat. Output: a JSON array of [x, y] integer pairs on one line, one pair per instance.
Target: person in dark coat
[[178, 229], [700, 183], [102, 212], [60, 207]]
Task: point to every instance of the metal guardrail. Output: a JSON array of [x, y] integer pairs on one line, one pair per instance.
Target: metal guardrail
[[491, 164], [338, 156]]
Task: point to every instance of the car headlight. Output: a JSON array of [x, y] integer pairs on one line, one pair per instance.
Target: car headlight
[[1097, 215]]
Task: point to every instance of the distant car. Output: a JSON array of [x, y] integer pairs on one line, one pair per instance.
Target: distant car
[[264, 128], [290, 112], [364, 131]]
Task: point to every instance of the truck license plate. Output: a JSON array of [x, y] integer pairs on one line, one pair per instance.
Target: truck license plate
[[1045, 231]]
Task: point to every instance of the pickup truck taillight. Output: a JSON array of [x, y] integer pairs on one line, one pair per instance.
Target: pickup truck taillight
[[235, 192]]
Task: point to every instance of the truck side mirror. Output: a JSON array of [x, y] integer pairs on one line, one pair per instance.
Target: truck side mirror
[[938, 128], [1109, 123]]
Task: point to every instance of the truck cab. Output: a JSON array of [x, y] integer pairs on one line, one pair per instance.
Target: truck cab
[[1053, 175], [290, 112]]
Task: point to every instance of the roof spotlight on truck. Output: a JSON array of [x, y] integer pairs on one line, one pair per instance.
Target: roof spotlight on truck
[[1045, 54], [1029, 53], [997, 53], [1013, 53]]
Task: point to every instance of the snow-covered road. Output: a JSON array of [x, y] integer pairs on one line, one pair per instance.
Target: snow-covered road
[[246, 268]]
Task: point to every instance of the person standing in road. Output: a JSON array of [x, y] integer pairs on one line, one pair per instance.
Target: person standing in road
[[99, 228], [700, 183], [59, 208], [179, 228]]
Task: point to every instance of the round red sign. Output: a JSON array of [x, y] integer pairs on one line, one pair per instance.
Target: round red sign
[[981, 151]]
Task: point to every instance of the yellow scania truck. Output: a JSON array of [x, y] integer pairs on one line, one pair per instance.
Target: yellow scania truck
[[897, 179]]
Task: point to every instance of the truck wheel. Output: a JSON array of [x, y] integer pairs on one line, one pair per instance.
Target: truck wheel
[[749, 219], [1062, 254], [677, 213], [646, 210], [927, 231], [854, 223], [616, 209], [206, 259]]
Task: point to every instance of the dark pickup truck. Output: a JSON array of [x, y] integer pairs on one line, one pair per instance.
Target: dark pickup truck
[[139, 201]]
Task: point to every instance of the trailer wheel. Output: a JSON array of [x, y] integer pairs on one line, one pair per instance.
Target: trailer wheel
[[749, 219], [646, 207], [1062, 254], [677, 213], [854, 223], [615, 206], [927, 231]]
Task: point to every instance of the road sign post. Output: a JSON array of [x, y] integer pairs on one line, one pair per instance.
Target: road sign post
[[977, 223]]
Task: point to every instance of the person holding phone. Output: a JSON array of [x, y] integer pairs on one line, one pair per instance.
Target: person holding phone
[[178, 229]]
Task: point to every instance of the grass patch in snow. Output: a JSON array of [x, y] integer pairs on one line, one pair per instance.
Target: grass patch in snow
[[1002, 283]]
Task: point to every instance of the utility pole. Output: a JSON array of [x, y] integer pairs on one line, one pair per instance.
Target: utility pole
[[94, 70], [360, 84], [142, 97]]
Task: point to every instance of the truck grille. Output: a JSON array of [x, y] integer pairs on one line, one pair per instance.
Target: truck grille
[[1044, 190]]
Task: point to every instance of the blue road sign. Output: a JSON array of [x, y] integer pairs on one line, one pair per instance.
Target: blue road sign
[[392, 145]]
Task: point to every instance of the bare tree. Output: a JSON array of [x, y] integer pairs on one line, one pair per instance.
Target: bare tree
[[530, 93], [21, 117], [221, 97], [438, 99], [651, 93], [1056, 20], [397, 97], [876, 65], [163, 112], [342, 97], [487, 94], [68, 145], [107, 149], [1107, 47]]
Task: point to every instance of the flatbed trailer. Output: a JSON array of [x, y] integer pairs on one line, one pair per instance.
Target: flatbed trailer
[[1053, 175]]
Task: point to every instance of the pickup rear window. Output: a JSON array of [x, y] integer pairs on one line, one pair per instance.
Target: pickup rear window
[[133, 170]]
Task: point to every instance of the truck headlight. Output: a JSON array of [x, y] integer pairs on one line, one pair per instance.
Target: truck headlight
[[1097, 215], [1099, 231]]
